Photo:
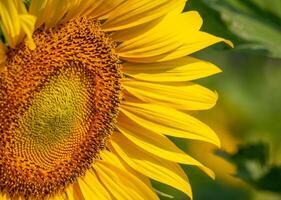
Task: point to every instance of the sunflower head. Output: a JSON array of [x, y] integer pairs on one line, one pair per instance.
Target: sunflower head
[[58, 106], [66, 66]]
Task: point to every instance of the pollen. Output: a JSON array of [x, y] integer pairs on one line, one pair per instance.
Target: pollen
[[58, 107]]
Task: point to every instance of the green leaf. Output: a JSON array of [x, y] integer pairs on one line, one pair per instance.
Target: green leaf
[[250, 160], [254, 152], [253, 166], [271, 180], [256, 23], [271, 6]]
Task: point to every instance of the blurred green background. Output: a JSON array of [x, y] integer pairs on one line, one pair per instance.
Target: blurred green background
[[247, 117]]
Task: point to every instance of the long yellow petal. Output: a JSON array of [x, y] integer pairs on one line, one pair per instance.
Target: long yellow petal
[[178, 70], [27, 24], [58, 12], [80, 8], [136, 12], [92, 188], [16, 22], [156, 144], [141, 30], [191, 44], [97, 9], [113, 159], [3, 197], [154, 167], [121, 184], [136, 31], [38, 9], [50, 12], [105, 8], [10, 22], [53, 12], [169, 121], [73, 192], [62, 196], [184, 96], [164, 37]]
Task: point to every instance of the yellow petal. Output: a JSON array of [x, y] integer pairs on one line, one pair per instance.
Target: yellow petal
[[139, 30], [50, 12], [73, 192], [81, 8], [121, 184], [92, 188], [156, 144], [136, 31], [90, 8], [10, 22], [16, 22], [136, 12], [27, 24], [54, 12], [191, 44], [3, 197], [59, 10], [182, 69], [154, 167], [62, 196], [184, 96], [104, 8], [169, 121], [38, 8], [113, 159], [164, 37]]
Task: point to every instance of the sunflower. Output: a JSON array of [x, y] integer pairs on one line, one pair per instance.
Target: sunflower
[[89, 92]]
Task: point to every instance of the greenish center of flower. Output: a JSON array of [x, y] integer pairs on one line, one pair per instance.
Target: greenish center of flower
[[56, 116], [55, 112]]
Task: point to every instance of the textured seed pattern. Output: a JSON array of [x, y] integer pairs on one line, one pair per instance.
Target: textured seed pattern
[[58, 106]]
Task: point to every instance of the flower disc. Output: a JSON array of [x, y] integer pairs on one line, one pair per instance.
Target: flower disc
[[58, 105]]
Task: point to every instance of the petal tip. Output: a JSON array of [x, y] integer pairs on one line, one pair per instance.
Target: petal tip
[[229, 43]]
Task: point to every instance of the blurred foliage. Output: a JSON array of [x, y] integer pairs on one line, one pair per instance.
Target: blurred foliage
[[271, 180], [248, 108], [253, 166], [253, 25], [250, 96]]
